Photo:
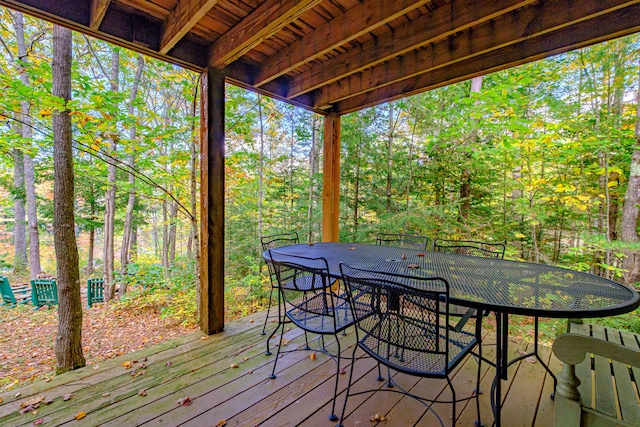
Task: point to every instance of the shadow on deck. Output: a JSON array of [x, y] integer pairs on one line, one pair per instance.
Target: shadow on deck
[[202, 368]]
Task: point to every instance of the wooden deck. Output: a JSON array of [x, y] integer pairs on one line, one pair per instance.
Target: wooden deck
[[200, 368]]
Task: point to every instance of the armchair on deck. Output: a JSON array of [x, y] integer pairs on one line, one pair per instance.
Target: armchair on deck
[[400, 322]]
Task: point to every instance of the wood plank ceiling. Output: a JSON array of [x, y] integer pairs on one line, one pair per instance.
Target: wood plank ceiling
[[344, 55]]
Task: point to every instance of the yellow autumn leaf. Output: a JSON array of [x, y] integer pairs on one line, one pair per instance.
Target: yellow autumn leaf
[[520, 235], [80, 415], [127, 364]]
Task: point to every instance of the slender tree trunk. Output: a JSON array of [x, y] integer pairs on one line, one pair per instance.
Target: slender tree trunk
[[68, 346], [27, 134], [173, 228], [465, 175], [110, 194], [260, 172], [410, 177], [629, 222], [312, 174], [19, 225], [390, 158], [356, 187], [125, 250]]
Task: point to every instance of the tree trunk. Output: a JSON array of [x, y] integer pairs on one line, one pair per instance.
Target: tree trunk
[[19, 225], [390, 158], [110, 194], [629, 222], [313, 169], [29, 175], [125, 250], [68, 346], [465, 175]]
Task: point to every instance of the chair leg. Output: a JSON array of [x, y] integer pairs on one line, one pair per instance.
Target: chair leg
[[333, 416], [453, 403], [346, 395], [264, 327], [280, 323], [275, 362]]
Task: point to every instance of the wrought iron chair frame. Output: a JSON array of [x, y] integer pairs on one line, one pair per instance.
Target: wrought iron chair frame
[[376, 299], [403, 240]]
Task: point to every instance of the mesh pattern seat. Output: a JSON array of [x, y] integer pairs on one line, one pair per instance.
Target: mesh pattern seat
[[401, 322], [305, 289], [403, 240]]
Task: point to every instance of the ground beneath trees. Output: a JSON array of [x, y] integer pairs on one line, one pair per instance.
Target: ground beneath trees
[[27, 338]]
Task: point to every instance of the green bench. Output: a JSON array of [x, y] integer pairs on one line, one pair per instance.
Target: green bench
[[600, 377], [95, 291], [44, 292], [13, 296]]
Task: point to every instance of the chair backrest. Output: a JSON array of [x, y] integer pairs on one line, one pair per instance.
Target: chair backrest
[[401, 320], [280, 239], [95, 290], [403, 240], [274, 241], [44, 292], [299, 273], [470, 247], [7, 292]]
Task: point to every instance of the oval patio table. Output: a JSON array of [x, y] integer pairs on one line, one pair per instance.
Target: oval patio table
[[502, 286]]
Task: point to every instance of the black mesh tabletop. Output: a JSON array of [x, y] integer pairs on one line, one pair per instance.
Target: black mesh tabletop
[[495, 284]]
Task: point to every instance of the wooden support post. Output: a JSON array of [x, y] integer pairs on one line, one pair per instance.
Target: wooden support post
[[331, 178], [212, 203]]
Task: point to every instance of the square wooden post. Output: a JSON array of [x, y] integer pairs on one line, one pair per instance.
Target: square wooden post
[[212, 202], [331, 178]]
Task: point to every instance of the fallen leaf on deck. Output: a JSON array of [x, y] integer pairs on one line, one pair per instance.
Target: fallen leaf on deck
[[376, 418], [38, 422], [221, 423], [530, 359], [0, 400], [168, 363], [142, 392], [18, 394], [80, 415], [413, 266], [310, 243], [245, 358], [343, 371], [185, 401], [419, 254], [46, 380], [96, 367], [49, 401], [206, 337], [352, 248], [27, 409], [312, 356], [67, 396], [403, 256], [141, 366], [234, 365], [127, 364], [33, 402], [251, 321], [106, 394]]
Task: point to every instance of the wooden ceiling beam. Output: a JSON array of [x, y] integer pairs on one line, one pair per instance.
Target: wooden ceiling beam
[[355, 22], [430, 28], [98, 10], [182, 19], [269, 18], [585, 33], [519, 25]]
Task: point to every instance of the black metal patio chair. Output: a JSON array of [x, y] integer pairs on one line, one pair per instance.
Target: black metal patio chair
[[472, 248], [270, 242], [400, 322], [305, 287], [403, 240]]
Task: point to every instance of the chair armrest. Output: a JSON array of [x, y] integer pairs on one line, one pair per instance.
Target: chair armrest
[[572, 349]]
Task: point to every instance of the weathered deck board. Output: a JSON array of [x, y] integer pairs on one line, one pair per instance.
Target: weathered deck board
[[301, 395]]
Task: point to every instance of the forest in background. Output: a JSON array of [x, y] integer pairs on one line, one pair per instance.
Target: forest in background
[[538, 156]]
